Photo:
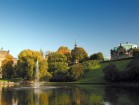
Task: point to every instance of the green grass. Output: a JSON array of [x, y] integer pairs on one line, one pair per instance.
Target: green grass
[[10, 80], [97, 75]]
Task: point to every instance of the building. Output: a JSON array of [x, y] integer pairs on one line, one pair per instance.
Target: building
[[3, 54], [123, 51]]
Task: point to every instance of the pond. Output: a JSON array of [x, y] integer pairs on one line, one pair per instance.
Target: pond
[[69, 95]]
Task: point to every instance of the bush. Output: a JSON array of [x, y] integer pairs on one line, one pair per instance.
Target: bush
[[59, 76], [91, 65], [131, 75], [111, 73], [46, 77], [132, 63], [97, 56], [76, 72]]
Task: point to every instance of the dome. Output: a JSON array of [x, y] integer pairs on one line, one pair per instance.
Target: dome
[[126, 46]]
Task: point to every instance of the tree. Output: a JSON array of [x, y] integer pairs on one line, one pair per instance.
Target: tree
[[97, 56], [131, 72], [91, 65], [66, 51], [111, 73], [43, 73], [7, 67], [136, 52], [79, 54], [76, 72], [57, 63], [26, 64]]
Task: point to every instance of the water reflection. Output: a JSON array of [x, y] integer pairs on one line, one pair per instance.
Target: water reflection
[[122, 95], [70, 95]]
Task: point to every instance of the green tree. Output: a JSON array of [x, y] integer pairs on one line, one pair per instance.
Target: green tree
[[97, 56], [26, 64], [91, 65], [57, 63], [76, 72], [135, 52], [43, 73], [66, 51], [7, 67], [111, 73], [79, 54]]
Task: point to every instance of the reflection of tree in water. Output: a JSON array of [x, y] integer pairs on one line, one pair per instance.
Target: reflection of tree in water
[[70, 95], [8, 95], [122, 95], [111, 95], [33, 97], [74, 96]]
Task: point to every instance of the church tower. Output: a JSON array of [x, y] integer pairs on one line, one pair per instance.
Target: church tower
[[75, 43], [75, 46]]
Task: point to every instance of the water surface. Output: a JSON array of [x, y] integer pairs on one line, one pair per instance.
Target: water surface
[[70, 95]]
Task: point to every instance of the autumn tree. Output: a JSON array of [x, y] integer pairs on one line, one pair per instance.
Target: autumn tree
[[57, 63], [66, 51], [79, 54], [43, 70], [7, 67], [26, 64]]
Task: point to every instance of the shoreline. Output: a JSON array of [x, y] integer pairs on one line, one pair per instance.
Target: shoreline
[[68, 83]]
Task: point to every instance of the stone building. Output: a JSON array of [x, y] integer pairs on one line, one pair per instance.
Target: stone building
[[123, 51], [3, 54]]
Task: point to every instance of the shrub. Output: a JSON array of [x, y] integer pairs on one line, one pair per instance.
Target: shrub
[[91, 65], [76, 72], [97, 56], [111, 73], [59, 76], [130, 75]]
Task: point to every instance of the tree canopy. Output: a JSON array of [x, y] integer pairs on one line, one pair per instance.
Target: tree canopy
[[79, 54], [66, 51], [7, 67], [57, 62], [58, 66], [136, 52], [26, 64], [97, 56]]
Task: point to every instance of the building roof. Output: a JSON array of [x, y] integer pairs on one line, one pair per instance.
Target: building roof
[[126, 46], [2, 50]]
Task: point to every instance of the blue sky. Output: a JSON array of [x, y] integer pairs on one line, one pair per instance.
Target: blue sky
[[99, 25]]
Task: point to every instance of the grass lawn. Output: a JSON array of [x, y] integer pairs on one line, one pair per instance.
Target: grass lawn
[[97, 75], [10, 80]]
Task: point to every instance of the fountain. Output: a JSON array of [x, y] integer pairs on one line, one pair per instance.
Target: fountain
[[37, 83]]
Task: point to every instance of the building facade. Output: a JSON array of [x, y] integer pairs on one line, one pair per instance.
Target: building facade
[[123, 51], [3, 54]]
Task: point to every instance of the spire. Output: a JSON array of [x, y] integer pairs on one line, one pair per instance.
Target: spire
[[75, 42]]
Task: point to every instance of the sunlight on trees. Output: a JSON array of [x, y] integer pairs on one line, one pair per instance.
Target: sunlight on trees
[[79, 54], [7, 67], [26, 64], [66, 51]]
